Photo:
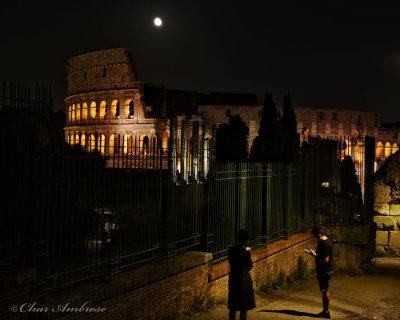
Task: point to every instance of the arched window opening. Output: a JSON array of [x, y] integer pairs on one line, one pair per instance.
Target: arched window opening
[[388, 150], [130, 145], [395, 148], [102, 114], [117, 111], [114, 144], [131, 114], [111, 145], [102, 144], [346, 148], [93, 110], [164, 144], [69, 113], [78, 112], [83, 141], [73, 113], [72, 139], [84, 111], [76, 138], [114, 105], [92, 143], [379, 150]]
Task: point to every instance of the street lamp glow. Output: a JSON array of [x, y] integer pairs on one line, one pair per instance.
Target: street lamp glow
[[157, 22]]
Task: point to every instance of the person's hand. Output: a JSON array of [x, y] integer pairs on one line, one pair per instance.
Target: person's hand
[[312, 252]]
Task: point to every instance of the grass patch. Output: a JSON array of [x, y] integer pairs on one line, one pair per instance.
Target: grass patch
[[280, 280], [302, 272]]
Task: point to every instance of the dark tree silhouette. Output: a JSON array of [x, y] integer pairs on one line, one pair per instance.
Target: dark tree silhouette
[[266, 145], [290, 146], [231, 141]]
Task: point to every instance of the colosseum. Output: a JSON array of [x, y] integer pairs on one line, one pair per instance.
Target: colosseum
[[110, 111]]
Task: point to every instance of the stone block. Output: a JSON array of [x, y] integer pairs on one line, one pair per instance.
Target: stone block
[[394, 239], [381, 208], [382, 238], [387, 223], [381, 194], [394, 209], [356, 235], [347, 257]]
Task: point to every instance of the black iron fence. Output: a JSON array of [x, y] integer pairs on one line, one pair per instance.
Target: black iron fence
[[67, 213]]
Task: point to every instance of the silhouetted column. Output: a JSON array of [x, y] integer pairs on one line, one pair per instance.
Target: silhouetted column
[[184, 149], [195, 151], [172, 148], [205, 141]]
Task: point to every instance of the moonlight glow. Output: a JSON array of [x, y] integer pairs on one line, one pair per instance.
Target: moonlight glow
[[157, 22]]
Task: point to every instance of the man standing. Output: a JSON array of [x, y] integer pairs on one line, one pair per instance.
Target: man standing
[[323, 261]]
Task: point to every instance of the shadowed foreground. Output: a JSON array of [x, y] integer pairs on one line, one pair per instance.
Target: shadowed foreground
[[372, 297]]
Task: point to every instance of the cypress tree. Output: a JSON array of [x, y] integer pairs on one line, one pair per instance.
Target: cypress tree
[[266, 145], [231, 139]]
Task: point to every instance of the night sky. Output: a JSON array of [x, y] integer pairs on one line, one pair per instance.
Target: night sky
[[326, 54]]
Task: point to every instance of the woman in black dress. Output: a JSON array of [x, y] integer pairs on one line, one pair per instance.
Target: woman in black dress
[[241, 293]]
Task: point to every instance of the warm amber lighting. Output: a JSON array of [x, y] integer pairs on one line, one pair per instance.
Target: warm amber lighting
[[114, 108], [395, 148], [73, 113], [102, 143], [126, 108], [379, 150], [84, 111], [83, 141], [111, 146], [93, 110], [358, 153], [69, 113], [92, 143], [102, 109], [388, 150], [78, 112]]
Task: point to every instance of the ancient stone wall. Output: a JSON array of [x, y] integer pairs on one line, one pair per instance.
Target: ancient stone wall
[[387, 206]]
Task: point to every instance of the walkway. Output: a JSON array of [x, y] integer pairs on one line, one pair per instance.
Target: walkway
[[374, 297]]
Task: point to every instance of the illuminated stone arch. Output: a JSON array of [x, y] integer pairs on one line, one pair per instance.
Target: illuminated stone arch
[[129, 109], [102, 144], [164, 143], [113, 144], [93, 110], [72, 139], [73, 113], [395, 148], [127, 144], [379, 150], [69, 113], [67, 137], [83, 141], [115, 109], [346, 148], [78, 112], [102, 111], [92, 143], [84, 111], [76, 138], [388, 150]]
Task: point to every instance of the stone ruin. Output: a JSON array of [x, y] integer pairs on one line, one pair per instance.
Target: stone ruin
[[387, 206]]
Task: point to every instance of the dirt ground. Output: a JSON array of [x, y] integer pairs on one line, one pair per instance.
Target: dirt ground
[[375, 297]]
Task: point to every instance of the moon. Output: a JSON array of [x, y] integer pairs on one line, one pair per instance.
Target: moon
[[158, 22]]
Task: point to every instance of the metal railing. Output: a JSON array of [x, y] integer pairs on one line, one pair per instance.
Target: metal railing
[[73, 218]]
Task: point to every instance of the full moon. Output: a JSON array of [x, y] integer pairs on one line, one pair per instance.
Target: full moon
[[157, 22]]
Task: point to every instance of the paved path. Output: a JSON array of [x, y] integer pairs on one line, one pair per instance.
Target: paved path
[[375, 297]]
